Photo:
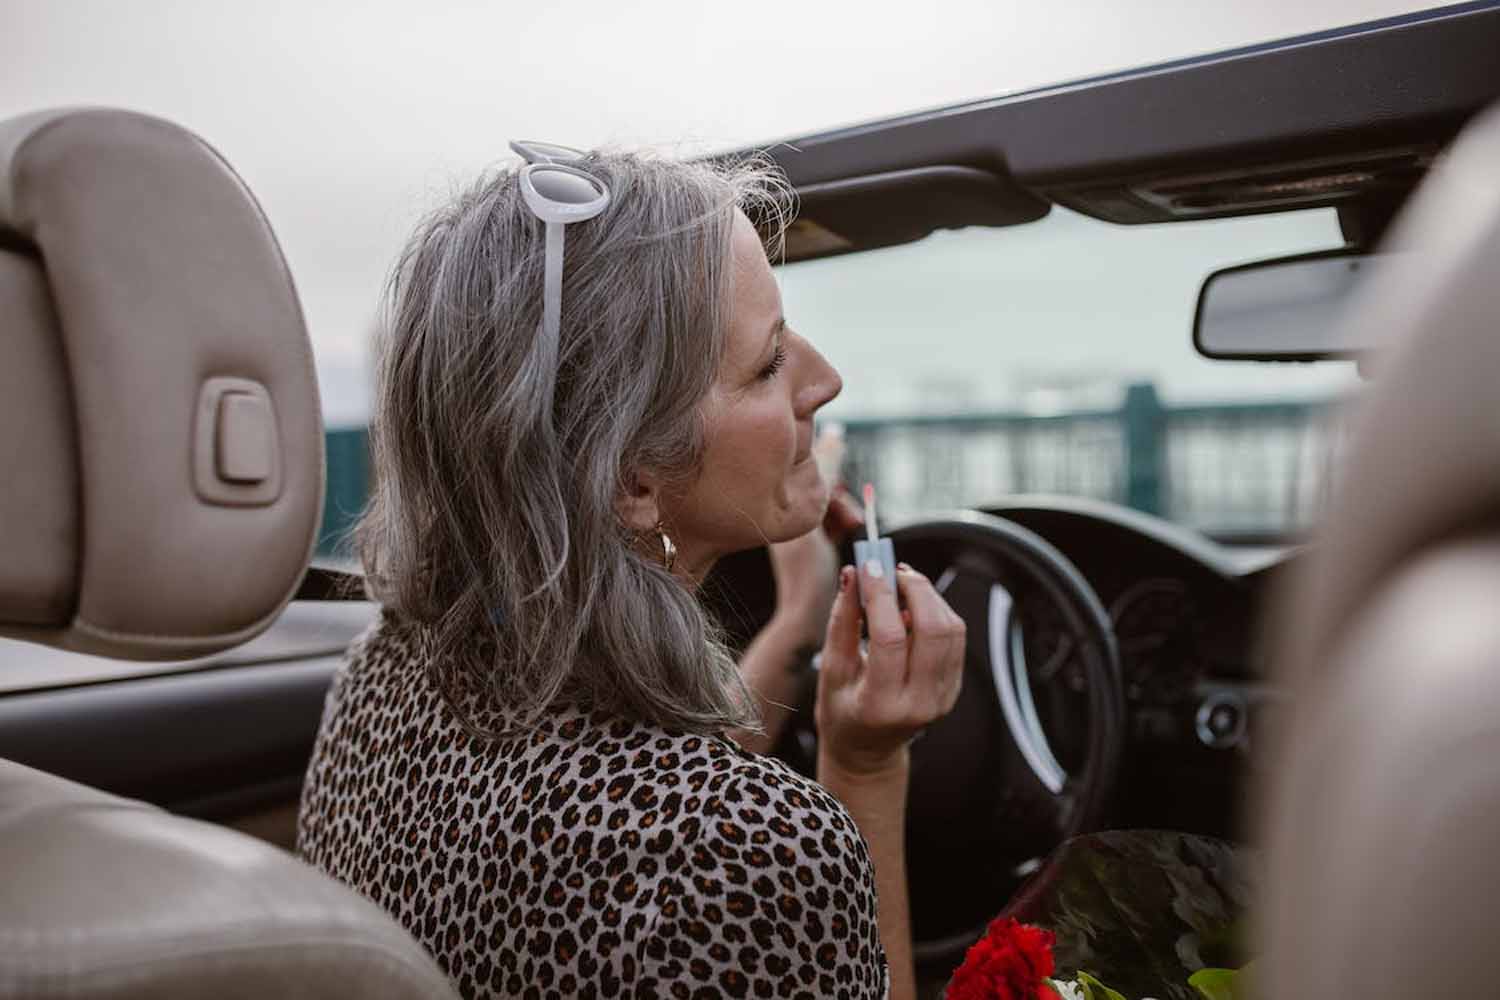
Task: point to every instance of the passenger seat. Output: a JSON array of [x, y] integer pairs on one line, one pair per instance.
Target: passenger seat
[[161, 442]]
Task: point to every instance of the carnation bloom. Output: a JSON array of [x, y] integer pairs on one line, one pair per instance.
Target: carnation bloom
[[1011, 962]]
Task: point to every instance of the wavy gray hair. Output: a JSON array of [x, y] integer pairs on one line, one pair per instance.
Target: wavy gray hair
[[492, 525]]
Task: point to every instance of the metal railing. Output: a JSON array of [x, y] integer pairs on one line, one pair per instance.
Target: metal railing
[[1250, 469]]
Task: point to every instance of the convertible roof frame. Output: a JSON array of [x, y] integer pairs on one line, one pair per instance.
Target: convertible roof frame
[[1287, 115]]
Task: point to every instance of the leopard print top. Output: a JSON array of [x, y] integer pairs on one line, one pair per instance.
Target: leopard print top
[[594, 857]]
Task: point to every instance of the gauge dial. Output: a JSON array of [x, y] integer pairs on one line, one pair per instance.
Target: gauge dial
[[1154, 624]]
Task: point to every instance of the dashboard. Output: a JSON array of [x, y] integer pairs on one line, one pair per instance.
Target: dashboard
[[1185, 611]]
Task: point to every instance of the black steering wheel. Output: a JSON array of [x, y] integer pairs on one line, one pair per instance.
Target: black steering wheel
[[1029, 755]]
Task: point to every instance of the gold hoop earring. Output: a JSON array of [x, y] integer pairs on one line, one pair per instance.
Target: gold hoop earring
[[668, 549]]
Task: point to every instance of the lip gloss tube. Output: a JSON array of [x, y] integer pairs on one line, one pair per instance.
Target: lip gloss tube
[[874, 547]]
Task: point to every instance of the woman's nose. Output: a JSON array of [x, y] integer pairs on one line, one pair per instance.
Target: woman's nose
[[823, 383]]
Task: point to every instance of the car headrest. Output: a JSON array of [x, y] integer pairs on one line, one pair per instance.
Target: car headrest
[[160, 429], [1423, 458]]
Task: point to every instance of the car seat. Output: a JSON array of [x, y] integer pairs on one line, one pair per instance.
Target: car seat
[[1382, 815], [162, 445]]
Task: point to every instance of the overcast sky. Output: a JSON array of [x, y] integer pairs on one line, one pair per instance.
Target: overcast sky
[[348, 120]]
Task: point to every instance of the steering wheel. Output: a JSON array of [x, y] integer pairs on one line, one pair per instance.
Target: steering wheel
[[1029, 755]]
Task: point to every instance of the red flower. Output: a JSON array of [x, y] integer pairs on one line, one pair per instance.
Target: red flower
[[1011, 962]]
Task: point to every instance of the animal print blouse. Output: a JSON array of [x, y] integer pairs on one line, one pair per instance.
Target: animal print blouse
[[595, 857]]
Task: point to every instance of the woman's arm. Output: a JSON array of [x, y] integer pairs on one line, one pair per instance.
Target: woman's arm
[[870, 706]]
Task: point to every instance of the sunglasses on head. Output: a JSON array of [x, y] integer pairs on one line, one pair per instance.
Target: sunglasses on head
[[557, 192]]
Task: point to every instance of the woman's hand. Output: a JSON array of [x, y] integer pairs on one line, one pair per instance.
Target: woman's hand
[[872, 702], [870, 705]]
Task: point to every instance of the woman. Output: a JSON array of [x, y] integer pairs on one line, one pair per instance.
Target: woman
[[525, 759]]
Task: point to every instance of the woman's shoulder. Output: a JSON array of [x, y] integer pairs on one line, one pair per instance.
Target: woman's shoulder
[[749, 810], [733, 826], [714, 776], [764, 790], [738, 789]]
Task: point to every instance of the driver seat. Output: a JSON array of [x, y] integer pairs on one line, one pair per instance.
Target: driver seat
[[162, 445], [1382, 820]]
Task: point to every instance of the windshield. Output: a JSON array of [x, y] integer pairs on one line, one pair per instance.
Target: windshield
[[1056, 357]]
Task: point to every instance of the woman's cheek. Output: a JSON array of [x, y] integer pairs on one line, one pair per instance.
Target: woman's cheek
[[774, 442]]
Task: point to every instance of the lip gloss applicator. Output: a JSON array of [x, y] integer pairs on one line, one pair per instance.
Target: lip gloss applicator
[[873, 547]]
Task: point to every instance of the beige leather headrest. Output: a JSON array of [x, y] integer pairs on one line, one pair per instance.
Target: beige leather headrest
[[160, 431]]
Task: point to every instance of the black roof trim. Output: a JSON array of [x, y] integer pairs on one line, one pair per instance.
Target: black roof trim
[[1408, 81], [1360, 28]]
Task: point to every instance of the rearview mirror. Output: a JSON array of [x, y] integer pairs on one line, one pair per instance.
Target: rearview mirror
[[1288, 309]]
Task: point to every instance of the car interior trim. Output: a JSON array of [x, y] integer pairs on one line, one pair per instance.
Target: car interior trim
[[1014, 692], [1326, 97], [1222, 560], [900, 206], [245, 727]]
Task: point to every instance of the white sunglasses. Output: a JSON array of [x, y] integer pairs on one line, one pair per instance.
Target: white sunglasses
[[558, 193]]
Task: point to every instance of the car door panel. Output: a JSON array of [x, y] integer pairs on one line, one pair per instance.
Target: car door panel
[[228, 744]]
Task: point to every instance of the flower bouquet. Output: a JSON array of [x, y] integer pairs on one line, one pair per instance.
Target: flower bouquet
[[1152, 914], [1013, 961]]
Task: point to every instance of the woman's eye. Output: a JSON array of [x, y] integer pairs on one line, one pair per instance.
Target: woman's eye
[[777, 360]]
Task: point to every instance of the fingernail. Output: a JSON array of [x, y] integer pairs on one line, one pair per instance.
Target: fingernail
[[873, 569], [846, 576], [905, 566]]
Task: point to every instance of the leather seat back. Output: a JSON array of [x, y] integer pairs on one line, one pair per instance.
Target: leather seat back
[[107, 897], [159, 417], [1383, 814], [162, 445]]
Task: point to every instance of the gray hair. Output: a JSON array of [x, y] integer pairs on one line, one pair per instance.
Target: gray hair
[[493, 525]]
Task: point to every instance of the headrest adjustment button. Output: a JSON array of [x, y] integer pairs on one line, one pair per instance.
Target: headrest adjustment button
[[237, 448], [245, 441]]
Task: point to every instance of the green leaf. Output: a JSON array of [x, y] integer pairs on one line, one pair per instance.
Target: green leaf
[[1095, 990], [1216, 984]]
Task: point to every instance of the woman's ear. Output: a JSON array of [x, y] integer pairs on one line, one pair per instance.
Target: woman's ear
[[639, 501]]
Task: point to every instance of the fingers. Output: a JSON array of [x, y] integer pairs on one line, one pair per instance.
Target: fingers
[[843, 517], [841, 643], [871, 704], [937, 643], [930, 614], [931, 621], [887, 632]]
